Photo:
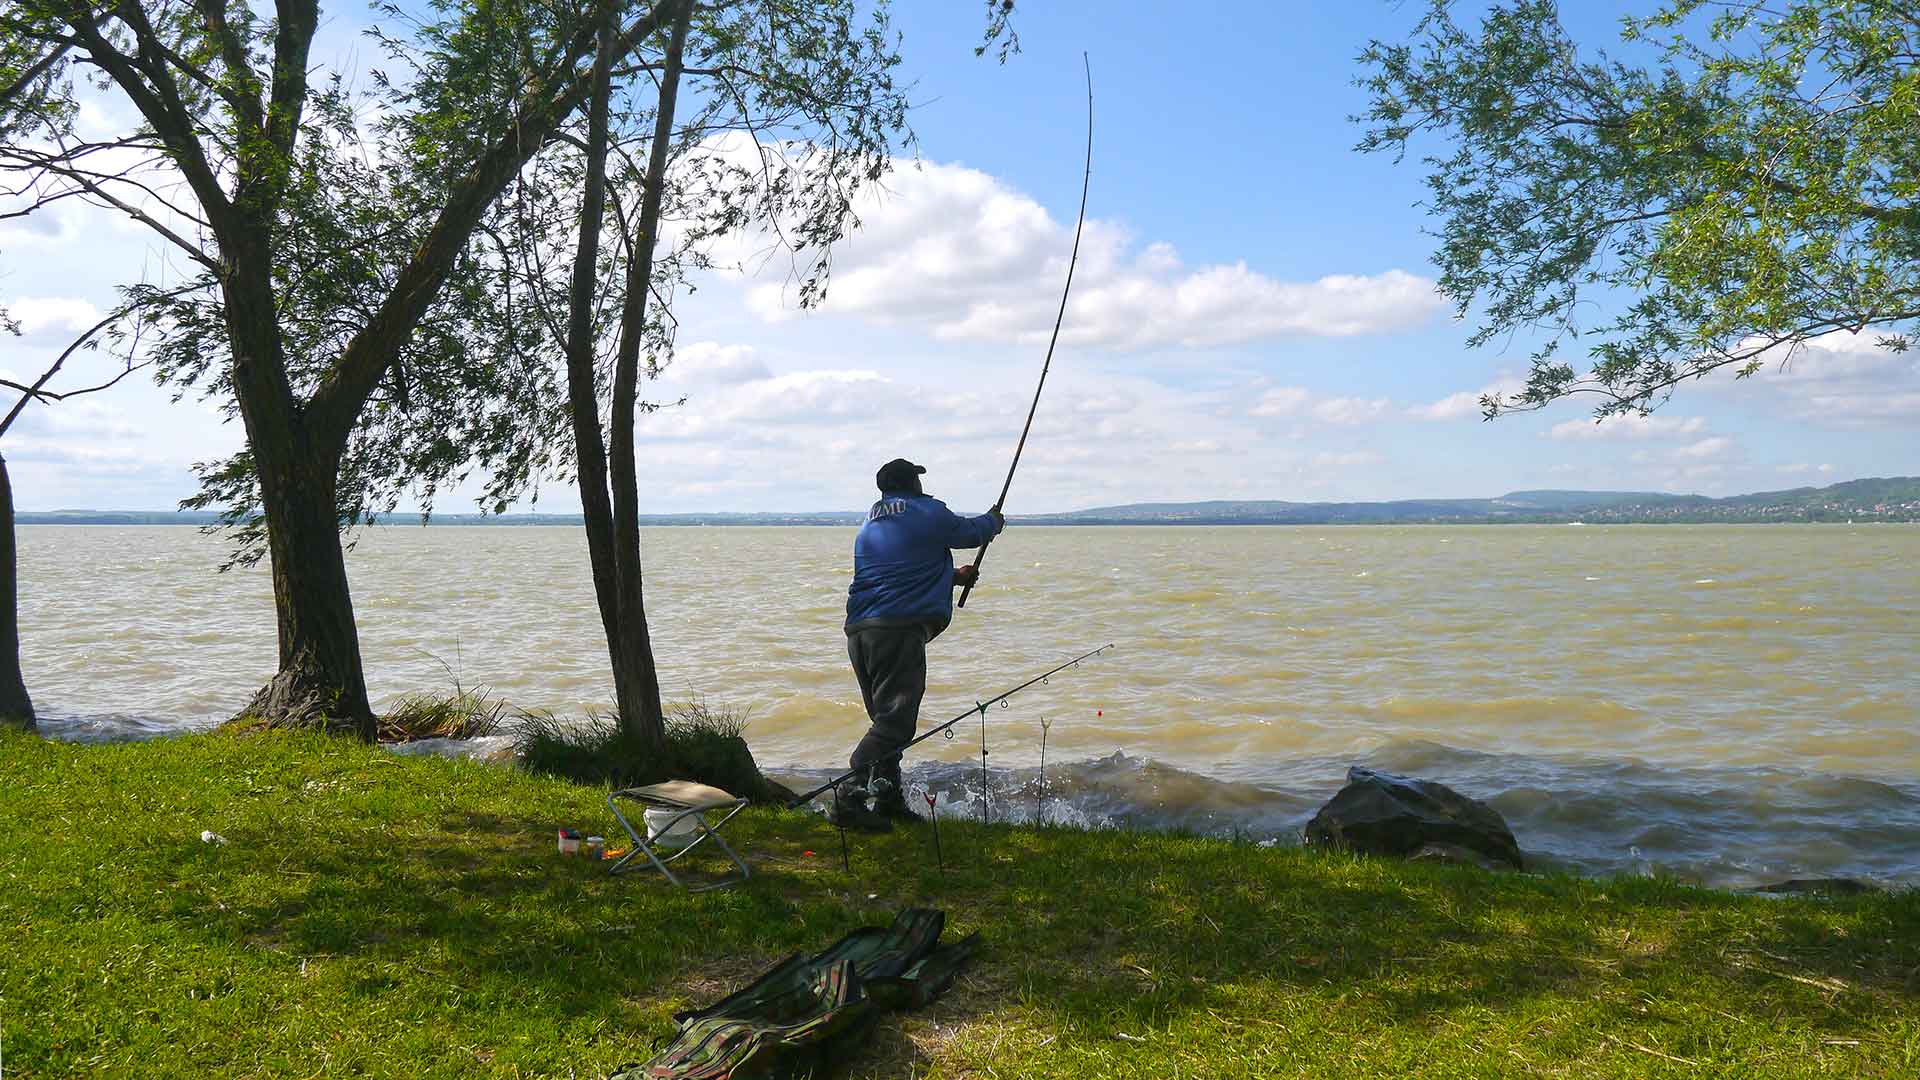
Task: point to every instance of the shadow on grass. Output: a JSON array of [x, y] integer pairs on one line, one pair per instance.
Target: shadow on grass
[[1088, 931], [428, 894]]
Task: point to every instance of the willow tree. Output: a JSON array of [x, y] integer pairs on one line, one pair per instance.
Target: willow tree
[[333, 270], [1749, 184], [760, 123]]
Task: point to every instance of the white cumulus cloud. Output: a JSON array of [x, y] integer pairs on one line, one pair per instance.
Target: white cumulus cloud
[[1714, 447], [1301, 402], [1839, 379], [711, 362], [1282, 401], [1464, 404], [1630, 427], [61, 314], [1351, 410], [1346, 459], [959, 252]]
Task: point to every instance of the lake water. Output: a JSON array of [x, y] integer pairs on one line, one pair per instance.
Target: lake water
[[1727, 703]]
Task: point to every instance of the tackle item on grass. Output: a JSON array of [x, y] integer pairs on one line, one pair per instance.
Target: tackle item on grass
[[668, 830], [807, 1010]]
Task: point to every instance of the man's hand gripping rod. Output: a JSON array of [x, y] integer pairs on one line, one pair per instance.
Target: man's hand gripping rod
[[932, 731], [999, 505]]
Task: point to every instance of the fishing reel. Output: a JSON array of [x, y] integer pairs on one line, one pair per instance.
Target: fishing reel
[[866, 792]]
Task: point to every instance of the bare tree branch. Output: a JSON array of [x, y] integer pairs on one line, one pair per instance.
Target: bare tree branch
[[38, 390], [87, 182], [161, 108]]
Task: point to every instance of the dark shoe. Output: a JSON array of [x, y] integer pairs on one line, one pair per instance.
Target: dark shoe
[[895, 808]]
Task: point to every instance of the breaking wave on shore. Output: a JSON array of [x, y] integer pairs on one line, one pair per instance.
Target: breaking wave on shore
[[1729, 827], [1724, 827]]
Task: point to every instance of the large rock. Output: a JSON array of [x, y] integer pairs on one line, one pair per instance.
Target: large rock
[[1382, 814]]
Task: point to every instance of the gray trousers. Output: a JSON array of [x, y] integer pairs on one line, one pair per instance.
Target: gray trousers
[[891, 664]]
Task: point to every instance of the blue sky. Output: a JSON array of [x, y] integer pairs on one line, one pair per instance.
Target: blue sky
[[1254, 317]]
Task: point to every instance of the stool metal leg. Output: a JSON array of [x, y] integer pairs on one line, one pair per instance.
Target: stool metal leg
[[708, 830]]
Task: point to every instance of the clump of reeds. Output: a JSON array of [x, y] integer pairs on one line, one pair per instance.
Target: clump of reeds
[[462, 713], [703, 743]]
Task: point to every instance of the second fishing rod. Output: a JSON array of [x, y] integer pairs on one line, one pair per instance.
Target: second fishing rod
[[979, 707]]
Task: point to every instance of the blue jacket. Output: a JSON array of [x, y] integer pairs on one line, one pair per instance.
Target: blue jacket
[[902, 562]]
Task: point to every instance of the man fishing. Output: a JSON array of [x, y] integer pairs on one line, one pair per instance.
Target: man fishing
[[901, 598]]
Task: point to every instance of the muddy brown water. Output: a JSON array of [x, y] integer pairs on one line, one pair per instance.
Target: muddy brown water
[[1728, 703]]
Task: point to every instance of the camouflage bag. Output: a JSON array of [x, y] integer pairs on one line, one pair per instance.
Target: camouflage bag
[[807, 1010]]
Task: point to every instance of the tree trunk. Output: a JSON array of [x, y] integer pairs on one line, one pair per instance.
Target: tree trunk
[[16, 708], [635, 687], [320, 683], [634, 675]]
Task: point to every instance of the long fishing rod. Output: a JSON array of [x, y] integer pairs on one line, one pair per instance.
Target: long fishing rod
[[978, 707], [1086, 180]]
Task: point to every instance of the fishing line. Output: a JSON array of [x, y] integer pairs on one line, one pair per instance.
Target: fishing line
[[1086, 180]]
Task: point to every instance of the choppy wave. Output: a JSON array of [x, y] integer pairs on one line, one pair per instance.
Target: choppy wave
[[1729, 827], [117, 727], [1722, 827]]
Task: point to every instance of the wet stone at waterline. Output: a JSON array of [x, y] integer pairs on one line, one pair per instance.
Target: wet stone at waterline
[[1379, 813]]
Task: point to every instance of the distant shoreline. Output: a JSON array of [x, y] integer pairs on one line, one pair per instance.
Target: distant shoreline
[[559, 521], [1872, 500]]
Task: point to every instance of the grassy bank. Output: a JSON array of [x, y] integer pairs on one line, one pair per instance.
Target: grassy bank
[[390, 916]]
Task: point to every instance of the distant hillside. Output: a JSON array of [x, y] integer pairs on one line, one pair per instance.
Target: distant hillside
[[1587, 500], [1878, 499]]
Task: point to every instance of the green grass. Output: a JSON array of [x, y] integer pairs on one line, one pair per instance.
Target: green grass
[[378, 915]]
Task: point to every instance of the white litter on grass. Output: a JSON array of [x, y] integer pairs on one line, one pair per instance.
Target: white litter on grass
[[208, 836]]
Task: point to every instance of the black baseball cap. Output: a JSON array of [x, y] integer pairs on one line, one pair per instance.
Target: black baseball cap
[[899, 475]]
